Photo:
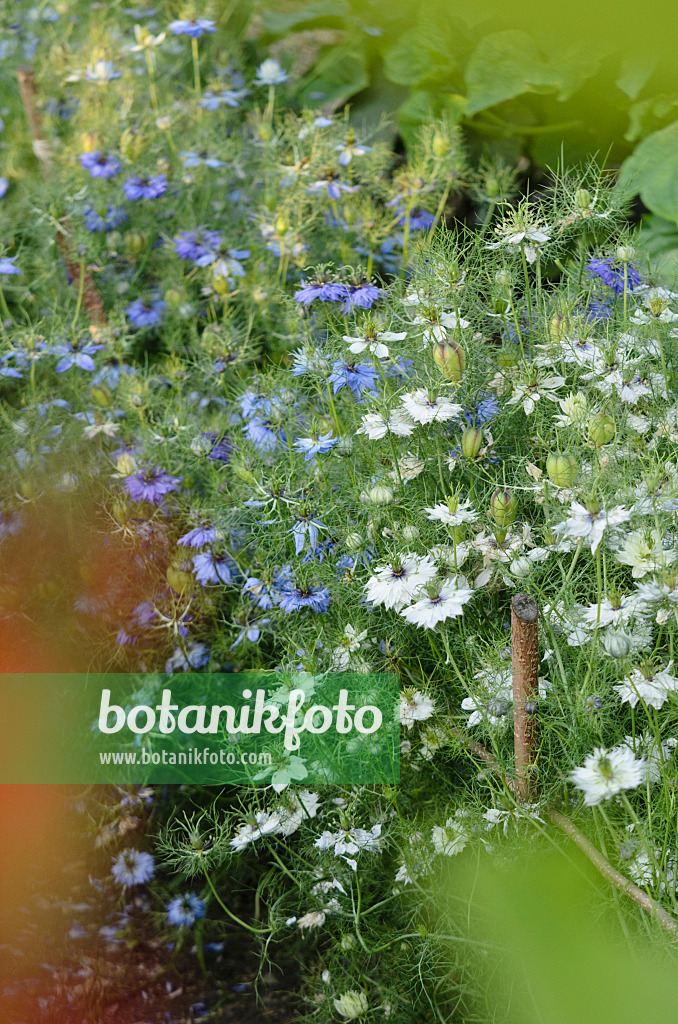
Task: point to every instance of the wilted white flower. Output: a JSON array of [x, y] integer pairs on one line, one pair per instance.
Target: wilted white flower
[[351, 1004]]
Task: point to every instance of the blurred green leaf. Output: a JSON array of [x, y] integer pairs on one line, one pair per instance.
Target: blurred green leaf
[[646, 115], [322, 12], [418, 56], [340, 73], [507, 64], [652, 169], [422, 104]]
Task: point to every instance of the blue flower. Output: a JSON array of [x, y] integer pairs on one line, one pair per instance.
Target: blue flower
[[200, 245], [596, 310], [145, 187], [326, 291], [196, 656], [228, 97], [78, 354], [358, 377], [361, 295], [199, 536], [133, 867], [218, 449], [486, 408], [190, 159], [145, 313], [7, 265], [113, 218], [261, 433], [151, 484], [297, 597], [211, 567], [183, 911], [420, 220], [307, 525], [612, 274], [332, 185], [192, 27], [258, 591], [100, 165], [4, 185], [314, 446]]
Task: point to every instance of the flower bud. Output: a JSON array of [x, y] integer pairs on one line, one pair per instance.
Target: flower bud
[[562, 469], [559, 325], [120, 512], [102, 395], [504, 278], [521, 567], [381, 494], [583, 198], [450, 360], [625, 253], [126, 464], [602, 429], [618, 645], [354, 542], [179, 576], [410, 534], [135, 243], [471, 442], [440, 146], [503, 507], [132, 144]]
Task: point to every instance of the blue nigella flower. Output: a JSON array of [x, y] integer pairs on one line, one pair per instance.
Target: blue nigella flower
[[78, 354], [216, 448], [112, 219], [596, 310], [261, 433], [191, 159], [486, 408], [196, 656], [192, 27], [297, 597], [211, 567], [306, 526], [325, 291], [612, 274], [199, 536], [314, 446], [200, 245], [133, 867], [251, 631], [358, 377], [184, 911], [145, 187], [151, 484], [258, 591], [7, 265], [100, 165], [420, 220], [228, 97], [361, 295], [332, 185], [145, 312], [4, 185]]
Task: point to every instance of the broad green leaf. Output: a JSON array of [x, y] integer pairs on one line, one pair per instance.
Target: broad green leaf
[[634, 74], [646, 116], [340, 73], [508, 64], [652, 170], [418, 56], [322, 11]]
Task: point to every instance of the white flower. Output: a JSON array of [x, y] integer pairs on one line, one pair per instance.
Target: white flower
[[452, 513], [611, 612], [302, 806], [108, 428], [443, 602], [375, 426], [450, 838], [529, 392], [607, 772], [650, 686], [351, 1004], [643, 551], [519, 231], [269, 72], [415, 707], [264, 824], [344, 656], [575, 410], [394, 585], [423, 408], [499, 816], [313, 919], [590, 526], [145, 39], [374, 343], [409, 466], [350, 840], [438, 324]]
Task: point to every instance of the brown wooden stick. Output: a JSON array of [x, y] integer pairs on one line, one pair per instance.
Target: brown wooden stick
[[91, 301], [525, 662]]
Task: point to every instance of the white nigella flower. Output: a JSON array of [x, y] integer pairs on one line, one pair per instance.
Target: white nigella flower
[[501, 816], [439, 602], [491, 702], [410, 467], [575, 410], [528, 391], [374, 426], [656, 311], [607, 772], [262, 824], [313, 919], [450, 838], [590, 525], [394, 585], [451, 512], [346, 656], [424, 408], [415, 707], [649, 685], [374, 343], [521, 230], [662, 596], [614, 610], [350, 840], [643, 551], [351, 1004], [299, 808], [438, 324], [658, 755]]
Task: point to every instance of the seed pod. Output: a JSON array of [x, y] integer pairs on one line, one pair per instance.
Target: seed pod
[[503, 508], [440, 146], [450, 360], [125, 464], [381, 494], [602, 429], [135, 243], [471, 442], [562, 469], [102, 395], [583, 198], [179, 576], [625, 253]]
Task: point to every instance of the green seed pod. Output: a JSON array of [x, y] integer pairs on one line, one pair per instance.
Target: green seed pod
[[102, 395], [602, 429], [450, 360], [583, 198], [562, 469], [503, 507], [135, 243], [132, 144], [471, 442], [179, 576]]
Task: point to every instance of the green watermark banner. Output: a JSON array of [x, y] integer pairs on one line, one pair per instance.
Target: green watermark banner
[[209, 728]]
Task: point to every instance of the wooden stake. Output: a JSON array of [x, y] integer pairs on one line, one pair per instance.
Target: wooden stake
[[525, 662], [80, 273]]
